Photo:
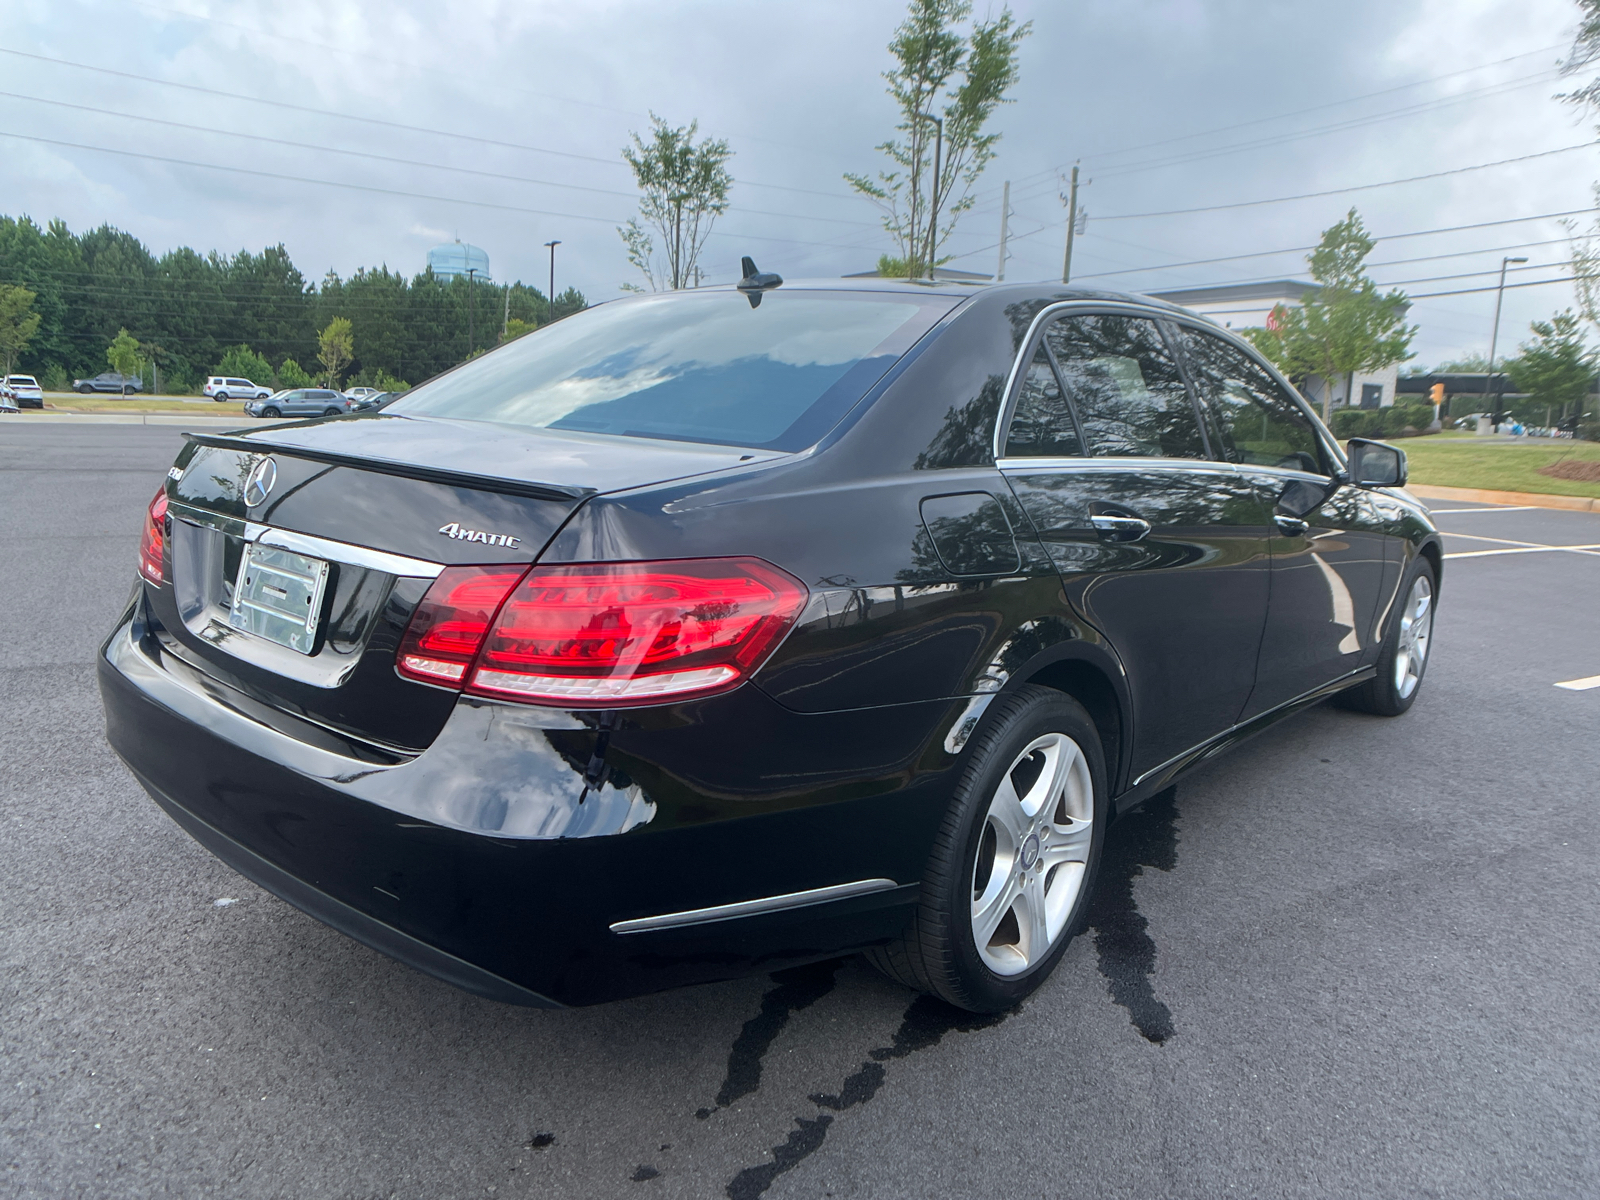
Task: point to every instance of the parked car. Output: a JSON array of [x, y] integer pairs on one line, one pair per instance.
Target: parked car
[[372, 401], [25, 390], [8, 397], [720, 629], [361, 393], [109, 381], [220, 387], [301, 402]]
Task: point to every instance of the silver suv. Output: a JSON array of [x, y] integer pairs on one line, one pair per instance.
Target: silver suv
[[220, 387], [302, 402]]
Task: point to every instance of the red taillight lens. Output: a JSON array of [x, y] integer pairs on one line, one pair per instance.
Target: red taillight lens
[[153, 542], [612, 634], [450, 623]]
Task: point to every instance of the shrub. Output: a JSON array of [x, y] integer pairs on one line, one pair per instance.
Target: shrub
[[1348, 422], [55, 378], [241, 362], [1589, 431], [292, 375]]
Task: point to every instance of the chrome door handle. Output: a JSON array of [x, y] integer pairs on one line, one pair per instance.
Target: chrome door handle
[[1119, 529], [1291, 526]]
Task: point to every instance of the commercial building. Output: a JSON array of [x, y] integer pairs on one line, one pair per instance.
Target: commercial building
[[1242, 306]]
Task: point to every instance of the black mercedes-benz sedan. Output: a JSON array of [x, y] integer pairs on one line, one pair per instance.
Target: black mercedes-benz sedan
[[717, 630]]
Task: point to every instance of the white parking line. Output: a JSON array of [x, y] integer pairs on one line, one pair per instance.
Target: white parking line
[[1581, 685], [1439, 512], [1592, 549]]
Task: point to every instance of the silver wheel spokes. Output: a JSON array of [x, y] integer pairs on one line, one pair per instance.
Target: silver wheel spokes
[[1416, 628], [1032, 854]]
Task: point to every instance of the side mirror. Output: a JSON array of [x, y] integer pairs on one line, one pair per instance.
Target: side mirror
[[1374, 464]]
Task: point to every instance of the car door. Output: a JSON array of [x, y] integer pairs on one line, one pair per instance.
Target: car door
[[1158, 545], [1329, 542]]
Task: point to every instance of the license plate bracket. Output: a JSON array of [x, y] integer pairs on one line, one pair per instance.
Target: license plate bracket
[[277, 595]]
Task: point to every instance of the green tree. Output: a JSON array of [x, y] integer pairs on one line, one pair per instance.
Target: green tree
[[335, 348], [292, 375], [515, 328], [241, 362], [685, 190], [123, 355], [1556, 368], [18, 322], [1347, 325], [965, 75]]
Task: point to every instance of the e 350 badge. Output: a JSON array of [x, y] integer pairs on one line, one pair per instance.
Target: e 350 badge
[[462, 534]]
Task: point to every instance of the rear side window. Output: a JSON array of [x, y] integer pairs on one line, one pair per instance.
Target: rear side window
[[1125, 387], [1258, 422], [696, 366], [1043, 425]]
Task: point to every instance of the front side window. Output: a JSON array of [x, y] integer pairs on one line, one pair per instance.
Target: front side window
[[1259, 424], [696, 366], [1129, 395], [1043, 425]]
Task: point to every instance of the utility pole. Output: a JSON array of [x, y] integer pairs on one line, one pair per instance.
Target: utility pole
[[552, 298], [472, 296], [1072, 226], [1494, 338], [1005, 228]]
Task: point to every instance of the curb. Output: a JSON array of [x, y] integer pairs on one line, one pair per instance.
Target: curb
[[1484, 496], [210, 422]]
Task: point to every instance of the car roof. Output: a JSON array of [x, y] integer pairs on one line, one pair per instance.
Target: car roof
[[1005, 293]]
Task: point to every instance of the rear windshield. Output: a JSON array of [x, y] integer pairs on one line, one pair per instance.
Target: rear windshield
[[697, 366], [23, 380]]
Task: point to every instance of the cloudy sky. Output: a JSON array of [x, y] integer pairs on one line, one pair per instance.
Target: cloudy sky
[[362, 133]]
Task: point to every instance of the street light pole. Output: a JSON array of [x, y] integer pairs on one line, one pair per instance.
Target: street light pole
[[1494, 340], [933, 202], [551, 299]]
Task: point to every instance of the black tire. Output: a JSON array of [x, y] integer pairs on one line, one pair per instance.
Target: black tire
[[938, 953], [1384, 695], [270, 411], [85, 389], [221, 397], [332, 412]]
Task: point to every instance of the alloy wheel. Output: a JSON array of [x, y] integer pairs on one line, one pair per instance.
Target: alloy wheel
[[1416, 630], [1033, 854]]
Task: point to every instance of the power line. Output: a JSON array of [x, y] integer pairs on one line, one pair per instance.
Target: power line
[[1051, 172], [406, 162], [364, 187], [1360, 187], [339, 116], [1389, 237]]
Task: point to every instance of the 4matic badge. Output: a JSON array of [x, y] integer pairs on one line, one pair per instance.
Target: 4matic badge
[[461, 534]]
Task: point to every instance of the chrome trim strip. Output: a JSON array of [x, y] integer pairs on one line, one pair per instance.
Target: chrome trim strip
[[343, 552], [750, 908], [1176, 316], [310, 545], [1197, 466]]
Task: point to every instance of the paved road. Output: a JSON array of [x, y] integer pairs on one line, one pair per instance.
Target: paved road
[[1356, 957]]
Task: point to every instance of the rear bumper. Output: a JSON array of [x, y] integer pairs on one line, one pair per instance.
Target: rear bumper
[[486, 861]]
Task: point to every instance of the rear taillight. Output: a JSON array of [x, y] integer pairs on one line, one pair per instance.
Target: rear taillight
[[153, 542], [450, 623], [608, 634]]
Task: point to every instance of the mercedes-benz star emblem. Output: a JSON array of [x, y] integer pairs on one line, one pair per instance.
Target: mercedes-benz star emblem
[[262, 476], [1030, 851]]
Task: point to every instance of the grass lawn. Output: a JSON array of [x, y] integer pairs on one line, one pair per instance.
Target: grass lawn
[[101, 403], [1500, 466]]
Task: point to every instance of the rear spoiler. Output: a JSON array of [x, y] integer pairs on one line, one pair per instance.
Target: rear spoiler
[[486, 483]]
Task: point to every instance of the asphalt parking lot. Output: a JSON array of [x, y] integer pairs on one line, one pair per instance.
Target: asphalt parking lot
[[1356, 957]]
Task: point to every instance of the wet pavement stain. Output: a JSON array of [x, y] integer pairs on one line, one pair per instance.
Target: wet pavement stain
[[798, 988], [643, 1173], [1145, 837], [924, 1025]]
